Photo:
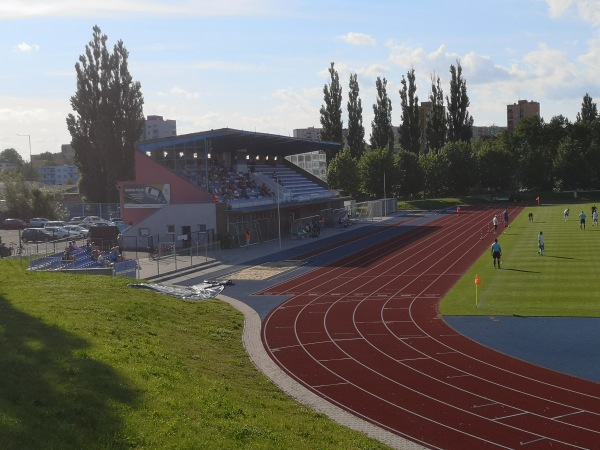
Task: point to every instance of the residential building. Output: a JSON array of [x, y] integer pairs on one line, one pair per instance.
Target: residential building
[[314, 162], [520, 110], [155, 127], [486, 132], [7, 166], [65, 174]]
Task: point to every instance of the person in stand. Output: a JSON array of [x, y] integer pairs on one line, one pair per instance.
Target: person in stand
[[248, 236], [566, 213], [582, 218], [505, 217], [496, 252], [495, 222], [541, 244]]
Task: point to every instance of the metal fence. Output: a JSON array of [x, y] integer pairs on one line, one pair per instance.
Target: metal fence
[[104, 210]]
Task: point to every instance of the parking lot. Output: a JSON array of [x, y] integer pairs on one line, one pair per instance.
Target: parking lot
[[33, 248]]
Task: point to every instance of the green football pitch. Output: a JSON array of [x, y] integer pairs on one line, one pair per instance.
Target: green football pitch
[[562, 282]]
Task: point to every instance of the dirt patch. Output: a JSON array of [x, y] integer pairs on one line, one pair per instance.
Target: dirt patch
[[265, 271]]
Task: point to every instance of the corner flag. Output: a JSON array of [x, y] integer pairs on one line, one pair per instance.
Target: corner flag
[[537, 199], [477, 280], [477, 283]]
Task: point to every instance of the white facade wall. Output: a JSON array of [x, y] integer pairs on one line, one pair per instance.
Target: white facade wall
[[155, 127]]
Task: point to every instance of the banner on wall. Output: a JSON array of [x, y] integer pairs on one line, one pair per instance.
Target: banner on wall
[[147, 195]]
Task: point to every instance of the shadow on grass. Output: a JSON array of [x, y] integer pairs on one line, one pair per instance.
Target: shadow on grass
[[52, 394], [521, 270], [559, 257]]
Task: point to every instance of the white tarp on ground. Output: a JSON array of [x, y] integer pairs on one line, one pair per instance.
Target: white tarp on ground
[[202, 291]]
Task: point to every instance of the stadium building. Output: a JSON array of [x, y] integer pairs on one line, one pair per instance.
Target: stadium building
[[213, 186]]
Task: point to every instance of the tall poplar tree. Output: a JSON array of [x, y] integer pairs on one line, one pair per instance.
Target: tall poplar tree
[[356, 130], [589, 110], [108, 119], [410, 128], [331, 112], [460, 123], [436, 126], [382, 131]]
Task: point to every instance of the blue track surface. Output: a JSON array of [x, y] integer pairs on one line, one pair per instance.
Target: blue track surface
[[567, 345]]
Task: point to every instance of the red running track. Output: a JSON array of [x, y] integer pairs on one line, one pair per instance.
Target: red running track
[[365, 333]]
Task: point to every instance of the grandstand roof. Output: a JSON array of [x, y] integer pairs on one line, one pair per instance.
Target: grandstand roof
[[228, 139]]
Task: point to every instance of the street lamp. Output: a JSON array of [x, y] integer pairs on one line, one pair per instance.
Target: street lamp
[[28, 137]]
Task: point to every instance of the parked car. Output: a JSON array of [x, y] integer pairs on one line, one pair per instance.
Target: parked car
[[57, 232], [54, 223], [76, 220], [37, 222], [77, 231], [35, 235], [92, 219], [14, 224]]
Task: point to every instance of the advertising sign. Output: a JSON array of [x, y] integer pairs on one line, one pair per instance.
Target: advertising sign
[[147, 195]]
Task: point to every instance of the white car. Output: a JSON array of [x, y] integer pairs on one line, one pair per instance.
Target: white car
[[37, 222], [77, 231], [92, 219], [54, 223], [57, 232]]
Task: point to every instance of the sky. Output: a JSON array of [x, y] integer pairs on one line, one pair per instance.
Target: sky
[[262, 65]]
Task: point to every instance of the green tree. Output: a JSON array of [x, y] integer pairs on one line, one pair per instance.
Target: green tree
[[410, 127], [589, 110], [26, 200], [356, 130], [570, 166], [496, 166], [108, 119], [436, 130], [461, 167], [332, 125], [10, 155], [434, 170], [534, 153], [377, 168], [460, 123], [382, 131], [342, 173], [411, 179]]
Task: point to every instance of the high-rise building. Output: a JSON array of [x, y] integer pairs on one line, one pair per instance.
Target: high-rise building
[[155, 127], [520, 110]]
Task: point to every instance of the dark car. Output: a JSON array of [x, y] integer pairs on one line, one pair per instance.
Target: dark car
[[36, 235], [14, 224]]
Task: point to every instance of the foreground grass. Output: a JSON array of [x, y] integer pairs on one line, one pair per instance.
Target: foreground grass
[[563, 282], [87, 362]]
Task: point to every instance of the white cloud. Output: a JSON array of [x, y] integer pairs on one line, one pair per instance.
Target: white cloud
[[180, 92], [359, 39], [558, 7], [26, 48], [588, 10]]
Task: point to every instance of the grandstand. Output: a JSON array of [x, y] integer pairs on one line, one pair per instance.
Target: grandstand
[[218, 184]]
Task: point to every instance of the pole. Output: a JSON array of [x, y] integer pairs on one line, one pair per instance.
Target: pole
[[384, 197], [278, 217], [29, 138]]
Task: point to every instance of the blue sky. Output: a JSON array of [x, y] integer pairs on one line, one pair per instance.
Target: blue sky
[[261, 65]]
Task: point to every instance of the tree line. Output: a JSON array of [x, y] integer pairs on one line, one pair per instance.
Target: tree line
[[435, 154]]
